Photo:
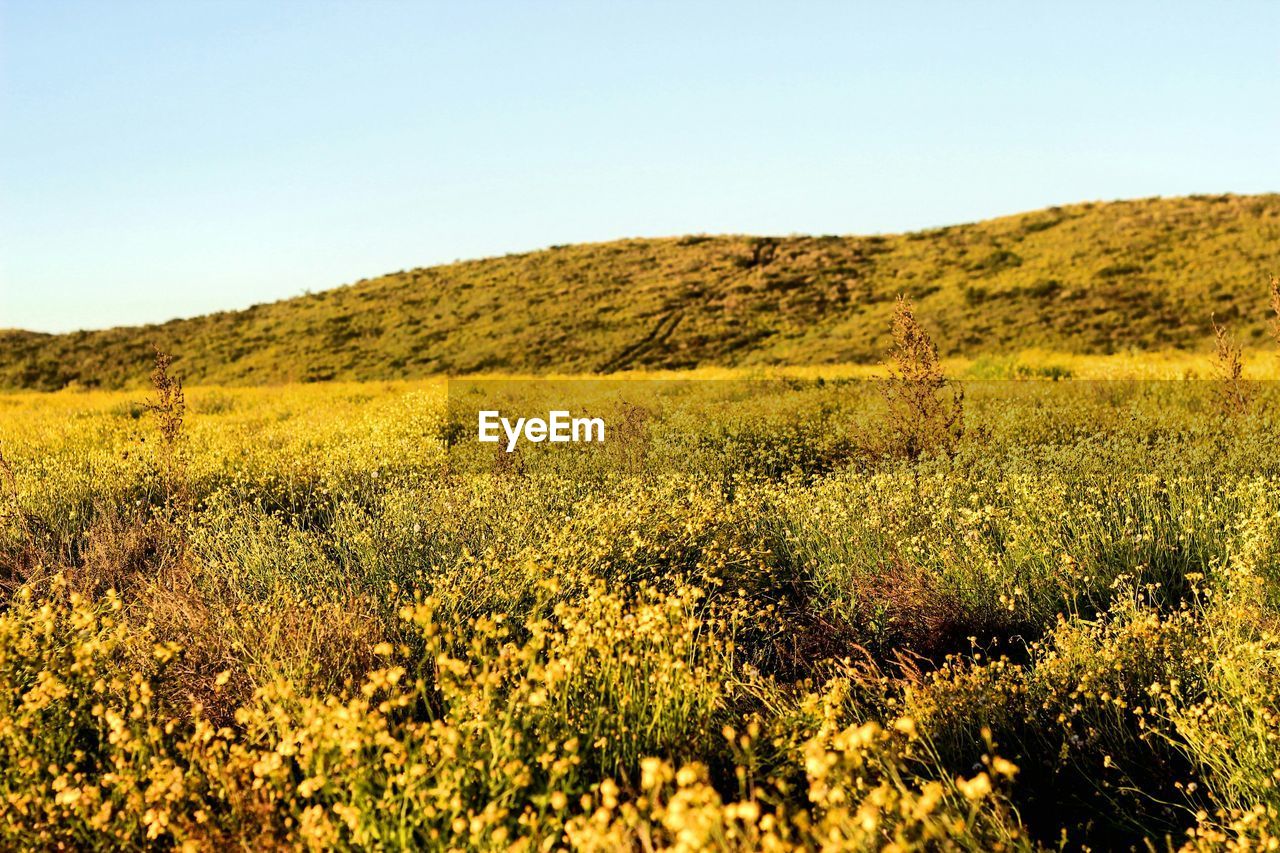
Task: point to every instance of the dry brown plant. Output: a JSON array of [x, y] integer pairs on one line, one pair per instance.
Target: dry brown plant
[[1232, 392], [1275, 308], [926, 410], [169, 409]]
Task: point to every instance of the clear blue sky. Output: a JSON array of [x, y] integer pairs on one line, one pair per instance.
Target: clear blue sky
[[171, 158]]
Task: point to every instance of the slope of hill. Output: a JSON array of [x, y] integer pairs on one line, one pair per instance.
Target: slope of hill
[[1085, 278]]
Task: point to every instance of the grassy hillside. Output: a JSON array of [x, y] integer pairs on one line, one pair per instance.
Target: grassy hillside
[[1083, 279]]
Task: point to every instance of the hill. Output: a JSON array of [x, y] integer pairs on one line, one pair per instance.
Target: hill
[[1087, 278]]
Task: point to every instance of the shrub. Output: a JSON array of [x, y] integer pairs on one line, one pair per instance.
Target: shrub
[[926, 411], [1275, 308], [1233, 392]]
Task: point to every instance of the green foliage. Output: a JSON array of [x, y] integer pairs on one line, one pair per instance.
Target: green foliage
[[1086, 278]]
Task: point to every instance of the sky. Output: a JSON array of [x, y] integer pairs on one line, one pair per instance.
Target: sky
[[162, 159]]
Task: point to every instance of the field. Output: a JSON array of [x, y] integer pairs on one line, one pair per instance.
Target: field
[[1017, 592], [760, 617], [639, 428]]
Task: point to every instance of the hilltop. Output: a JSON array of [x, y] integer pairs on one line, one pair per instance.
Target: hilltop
[[1090, 278]]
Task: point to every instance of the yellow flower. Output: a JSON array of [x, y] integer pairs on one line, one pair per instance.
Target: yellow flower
[[1004, 767], [976, 788], [609, 794]]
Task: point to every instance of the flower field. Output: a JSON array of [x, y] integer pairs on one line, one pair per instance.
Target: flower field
[[321, 617]]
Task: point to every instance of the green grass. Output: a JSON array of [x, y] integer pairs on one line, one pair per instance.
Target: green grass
[[1080, 279]]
